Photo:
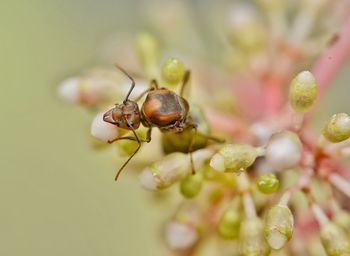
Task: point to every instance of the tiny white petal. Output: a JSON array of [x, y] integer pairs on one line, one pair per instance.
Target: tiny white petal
[[305, 77], [69, 90], [102, 130], [180, 236], [146, 179], [217, 162]]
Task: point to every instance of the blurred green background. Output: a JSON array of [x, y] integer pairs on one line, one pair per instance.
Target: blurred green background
[[57, 194]]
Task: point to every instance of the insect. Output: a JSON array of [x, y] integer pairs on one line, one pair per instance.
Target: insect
[[162, 108]]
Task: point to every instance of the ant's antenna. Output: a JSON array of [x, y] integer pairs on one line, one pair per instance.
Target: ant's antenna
[[132, 82], [133, 154]]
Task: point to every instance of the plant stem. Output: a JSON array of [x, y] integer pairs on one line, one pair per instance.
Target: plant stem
[[340, 183]]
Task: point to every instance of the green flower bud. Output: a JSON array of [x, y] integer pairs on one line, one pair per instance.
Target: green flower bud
[[234, 158], [229, 224], [342, 219], [303, 91], [244, 28], [164, 173], [128, 147], [334, 240], [210, 174], [267, 183], [191, 185], [338, 128], [173, 71], [278, 226], [147, 50], [180, 142], [251, 238]]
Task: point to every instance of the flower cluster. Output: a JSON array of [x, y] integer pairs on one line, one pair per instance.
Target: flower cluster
[[274, 184]]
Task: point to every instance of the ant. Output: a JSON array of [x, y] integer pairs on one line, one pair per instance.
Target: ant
[[162, 108]]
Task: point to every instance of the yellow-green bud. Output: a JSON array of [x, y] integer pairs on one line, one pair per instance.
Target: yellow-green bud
[[191, 185], [244, 28], [164, 173], [303, 91], [337, 128], [278, 226], [229, 224], [267, 183], [128, 147], [342, 219], [334, 240], [251, 238], [173, 71], [234, 158], [147, 50], [181, 142]]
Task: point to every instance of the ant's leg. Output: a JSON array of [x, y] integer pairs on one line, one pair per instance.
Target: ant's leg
[[153, 85], [213, 138], [148, 136], [132, 82], [133, 154], [185, 80], [121, 138], [190, 148]]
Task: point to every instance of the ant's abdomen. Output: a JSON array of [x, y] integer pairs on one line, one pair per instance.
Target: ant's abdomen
[[163, 108]]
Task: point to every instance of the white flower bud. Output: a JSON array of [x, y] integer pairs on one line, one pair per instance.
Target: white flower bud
[[180, 236], [284, 150], [102, 130], [165, 172], [69, 90]]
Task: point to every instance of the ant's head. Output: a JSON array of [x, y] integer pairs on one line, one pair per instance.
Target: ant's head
[[124, 115]]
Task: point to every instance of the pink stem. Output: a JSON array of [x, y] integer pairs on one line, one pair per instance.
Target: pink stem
[[224, 122], [332, 59]]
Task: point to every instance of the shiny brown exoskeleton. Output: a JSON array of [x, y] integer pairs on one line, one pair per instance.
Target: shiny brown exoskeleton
[[165, 109], [162, 108]]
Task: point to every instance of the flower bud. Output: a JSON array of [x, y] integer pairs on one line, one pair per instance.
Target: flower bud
[[303, 91], [148, 50], [69, 90], [283, 151], [278, 226], [342, 219], [180, 236], [191, 185], [181, 142], [334, 240], [173, 71], [102, 130], [244, 28], [164, 173], [267, 183], [251, 238], [229, 224], [128, 147], [234, 158], [338, 128]]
